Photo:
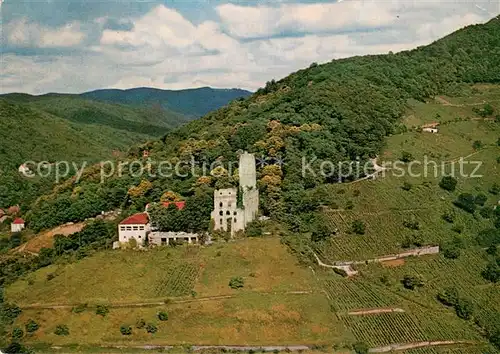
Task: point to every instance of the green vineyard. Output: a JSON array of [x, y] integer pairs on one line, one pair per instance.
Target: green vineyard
[[178, 280]]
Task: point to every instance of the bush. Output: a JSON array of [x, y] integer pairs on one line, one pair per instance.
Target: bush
[[464, 309], [477, 144], [406, 186], [361, 348], [358, 227], [448, 296], [79, 308], [61, 330], [486, 212], [406, 157], [495, 189], [17, 333], [480, 199], [412, 282], [448, 183], [254, 229], [413, 225], [467, 202], [162, 316], [340, 272], [140, 323], [451, 251], [31, 326], [448, 217], [151, 328], [125, 330], [102, 310], [236, 283], [492, 272]]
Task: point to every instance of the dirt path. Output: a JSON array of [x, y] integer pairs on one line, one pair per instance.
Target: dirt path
[[444, 102], [375, 311], [46, 239], [400, 347], [156, 303]]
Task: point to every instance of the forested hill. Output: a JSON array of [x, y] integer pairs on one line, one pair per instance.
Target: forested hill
[[62, 128], [336, 111], [192, 102]]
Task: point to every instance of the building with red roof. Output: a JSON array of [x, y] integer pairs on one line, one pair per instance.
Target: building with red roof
[[134, 227], [17, 225]]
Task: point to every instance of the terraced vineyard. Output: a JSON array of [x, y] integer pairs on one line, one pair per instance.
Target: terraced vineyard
[[178, 280]]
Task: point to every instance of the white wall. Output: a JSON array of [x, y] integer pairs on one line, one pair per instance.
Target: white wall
[[127, 232], [16, 227]]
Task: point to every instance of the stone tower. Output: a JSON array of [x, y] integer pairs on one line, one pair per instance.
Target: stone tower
[[227, 215]]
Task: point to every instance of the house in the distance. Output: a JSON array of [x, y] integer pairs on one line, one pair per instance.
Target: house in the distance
[[431, 127], [17, 225], [134, 227]]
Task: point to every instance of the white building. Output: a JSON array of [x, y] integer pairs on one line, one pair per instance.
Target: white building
[[227, 214], [430, 130], [17, 225], [134, 227], [164, 238]]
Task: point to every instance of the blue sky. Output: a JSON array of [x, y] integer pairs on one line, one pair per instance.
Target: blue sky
[[81, 45]]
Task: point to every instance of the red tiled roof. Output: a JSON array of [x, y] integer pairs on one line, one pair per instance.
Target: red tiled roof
[[136, 219], [179, 205], [18, 221]]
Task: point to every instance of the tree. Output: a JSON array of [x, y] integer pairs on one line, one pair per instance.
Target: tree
[[406, 186], [448, 216], [412, 282], [358, 227], [236, 283], [17, 333], [151, 328], [448, 183], [361, 348], [480, 199], [140, 323], [406, 157], [162, 316], [61, 330], [31, 326], [125, 330], [464, 309], [492, 272], [495, 188], [451, 251], [102, 310], [477, 144], [466, 201], [449, 296]]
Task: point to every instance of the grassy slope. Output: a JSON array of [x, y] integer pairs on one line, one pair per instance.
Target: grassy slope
[[260, 313]]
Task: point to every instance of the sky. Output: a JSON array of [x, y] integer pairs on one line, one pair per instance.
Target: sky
[[80, 45]]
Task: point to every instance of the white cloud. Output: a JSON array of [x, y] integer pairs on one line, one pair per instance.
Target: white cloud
[[24, 34], [164, 49]]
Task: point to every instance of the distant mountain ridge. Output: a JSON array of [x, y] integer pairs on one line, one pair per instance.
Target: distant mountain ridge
[[192, 102]]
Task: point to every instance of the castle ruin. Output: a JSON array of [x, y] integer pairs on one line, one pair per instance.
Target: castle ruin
[[232, 212]]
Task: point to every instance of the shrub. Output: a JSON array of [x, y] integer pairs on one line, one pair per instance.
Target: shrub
[[50, 276], [102, 310], [406, 157], [254, 229], [495, 189], [448, 217], [31, 326], [236, 283], [451, 251], [464, 309], [340, 271], [492, 250], [162, 316], [414, 225], [61, 330], [448, 296], [125, 330], [412, 282], [79, 308], [140, 323], [458, 229], [406, 186], [477, 144], [486, 212], [466, 201], [151, 328], [492, 272], [448, 183], [358, 227], [361, 348], [17, 333], [480, 199]]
